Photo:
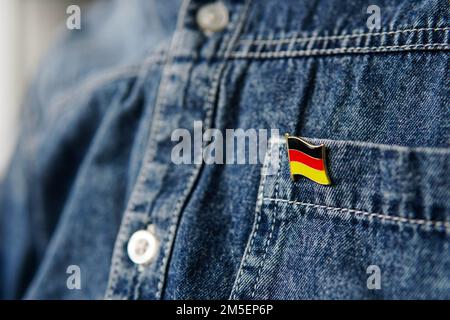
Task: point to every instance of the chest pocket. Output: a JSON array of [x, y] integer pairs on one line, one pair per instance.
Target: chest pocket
[[380, 230]]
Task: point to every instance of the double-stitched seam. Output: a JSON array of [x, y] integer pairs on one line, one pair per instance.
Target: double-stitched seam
[[118, 253], [384, 147], [258, 212], [169, 239], [161, 101], [315, 52], [437, 225], [130, 214], [335, 44], [272, 227], [335, 37]]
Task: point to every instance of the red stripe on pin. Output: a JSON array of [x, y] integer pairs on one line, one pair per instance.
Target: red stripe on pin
[[295, 155]]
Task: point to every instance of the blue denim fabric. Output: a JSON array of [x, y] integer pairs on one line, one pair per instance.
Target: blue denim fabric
[[93, 164]]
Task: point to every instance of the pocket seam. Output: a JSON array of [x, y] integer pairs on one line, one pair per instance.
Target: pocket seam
[[337, 37], [257, 220], [436, 225], [272, 225]]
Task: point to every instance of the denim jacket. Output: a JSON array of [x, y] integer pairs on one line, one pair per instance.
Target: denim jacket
[[93, 164]]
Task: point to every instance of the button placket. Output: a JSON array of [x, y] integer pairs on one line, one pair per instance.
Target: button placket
[[165, 210]]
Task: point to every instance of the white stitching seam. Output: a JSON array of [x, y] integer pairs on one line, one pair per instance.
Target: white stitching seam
[[435, 224], [298, 53], [149, 155], [383, 147], [122, 237], [169, 239], [258, 214], [162, 97], [336, 37], [272, 228]]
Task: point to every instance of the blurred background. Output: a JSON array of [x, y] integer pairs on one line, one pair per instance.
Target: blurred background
[[27, 28]]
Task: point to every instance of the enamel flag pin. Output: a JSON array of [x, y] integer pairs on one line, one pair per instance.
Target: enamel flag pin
[[307, 160]]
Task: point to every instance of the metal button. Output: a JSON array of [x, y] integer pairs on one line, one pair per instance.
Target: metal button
[[142, 246], [213, 17]]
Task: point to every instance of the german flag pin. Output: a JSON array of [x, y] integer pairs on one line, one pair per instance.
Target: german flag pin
[[307, 160]]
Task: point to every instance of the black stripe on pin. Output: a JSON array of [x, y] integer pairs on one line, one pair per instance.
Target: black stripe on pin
[[300, 145]]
